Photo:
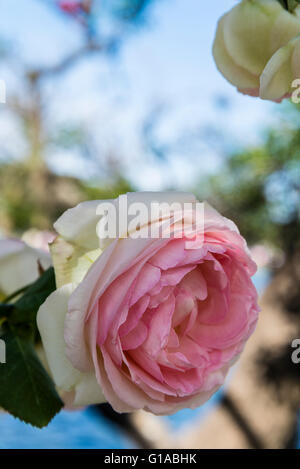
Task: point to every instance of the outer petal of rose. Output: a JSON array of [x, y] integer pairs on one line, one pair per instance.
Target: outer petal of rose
[[78, 224], [113, 300], [278, 75], [19, 265], [173, 405], [127, 391], [70, 261], [235, 74], [50, 320], [88, 391], [79, 241], [214, 220], [125, 396]]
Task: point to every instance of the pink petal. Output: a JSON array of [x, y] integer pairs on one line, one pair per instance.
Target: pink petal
[[228, 332], [135, 338], [140, 375], [147, 363], [215, 308], [161, 297], [175, 275], [113, 298], [122, 385], [173, 341], [183, 307], [188, 323], [159, 328], [213, 272], [196, 355], [195, 283], [184, 383], [135, 313], [170, 255], [174, 360], [147, 279]]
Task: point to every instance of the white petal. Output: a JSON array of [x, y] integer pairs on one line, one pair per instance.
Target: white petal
[[50, 321], [19, 265], [78, 225], [276, 79], [247, 33], [88, 391], [296, 57], [238, 76]]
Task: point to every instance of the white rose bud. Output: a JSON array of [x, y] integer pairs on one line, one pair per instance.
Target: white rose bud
[[280, 73], [247, 38]]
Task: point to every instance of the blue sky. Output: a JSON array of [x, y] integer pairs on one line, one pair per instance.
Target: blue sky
[[167, 64]]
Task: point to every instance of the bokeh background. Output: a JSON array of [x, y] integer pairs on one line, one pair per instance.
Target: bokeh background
[[109, 96]]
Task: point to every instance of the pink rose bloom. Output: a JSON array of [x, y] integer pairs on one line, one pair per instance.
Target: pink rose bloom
[[147, 324]]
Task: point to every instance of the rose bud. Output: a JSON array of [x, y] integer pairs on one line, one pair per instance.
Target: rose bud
[[246, 39]]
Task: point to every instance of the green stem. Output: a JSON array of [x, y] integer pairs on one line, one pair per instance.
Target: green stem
[[15, 294]]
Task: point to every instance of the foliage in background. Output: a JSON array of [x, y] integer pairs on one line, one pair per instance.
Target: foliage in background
[[30, 198], [31, 194], [289, 4], [259, 188]]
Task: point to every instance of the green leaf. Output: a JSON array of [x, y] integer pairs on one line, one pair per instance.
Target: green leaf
[[290, 5], [26, 390], [6, 310], [26, 308]]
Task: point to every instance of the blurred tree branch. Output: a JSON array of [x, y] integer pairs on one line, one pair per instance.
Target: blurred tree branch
[[25, 187]]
